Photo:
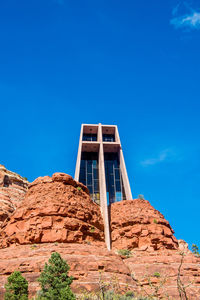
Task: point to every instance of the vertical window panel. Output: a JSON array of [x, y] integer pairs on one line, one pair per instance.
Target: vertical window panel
[[89, 174], [114, 182]]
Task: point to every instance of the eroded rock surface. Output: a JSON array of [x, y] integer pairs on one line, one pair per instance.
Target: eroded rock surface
[[161, 269], [55, 209], [89, 264], [136, 224], [12, 191], [57, 214]]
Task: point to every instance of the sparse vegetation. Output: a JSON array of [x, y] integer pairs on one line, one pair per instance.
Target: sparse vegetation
[[110, 295], [141, 197], [55, 284], [92, 229], [180, 285], [195, 250], [156, 274], [124, 252], [151, 288], [155, 221], [129, 294], [34, 246], [79, 188], [110, 290]]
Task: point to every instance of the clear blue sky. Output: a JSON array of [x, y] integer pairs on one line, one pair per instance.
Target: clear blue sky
[[131, 63]]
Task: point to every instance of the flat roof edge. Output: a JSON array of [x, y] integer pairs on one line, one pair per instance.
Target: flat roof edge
[[103, 125]]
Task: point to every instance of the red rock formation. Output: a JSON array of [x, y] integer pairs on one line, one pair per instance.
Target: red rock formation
[[136, 224], [56, 209], [161, 269], [12, 191], [57, 214], [89, 262], [86, 262]]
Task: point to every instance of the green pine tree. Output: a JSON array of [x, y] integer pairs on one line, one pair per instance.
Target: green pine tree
[[16, 287], [54, 280], [195, 250]]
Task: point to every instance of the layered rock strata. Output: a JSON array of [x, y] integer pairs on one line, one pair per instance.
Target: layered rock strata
[[136, 224], [57, 214], [158, 272], [90, 264], [55, 209], [12, 191]]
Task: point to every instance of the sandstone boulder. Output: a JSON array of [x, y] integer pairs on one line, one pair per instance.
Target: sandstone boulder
[[12, 191], [136, 224], [56, 209]]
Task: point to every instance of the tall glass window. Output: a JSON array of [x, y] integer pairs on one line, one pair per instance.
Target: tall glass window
[[89, 174], [114, 182], [89, 137], [108, 138]]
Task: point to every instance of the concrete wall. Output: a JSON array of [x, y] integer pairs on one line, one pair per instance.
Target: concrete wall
[[101, 147]]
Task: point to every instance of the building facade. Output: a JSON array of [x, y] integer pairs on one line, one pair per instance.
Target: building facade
[[100, 166]]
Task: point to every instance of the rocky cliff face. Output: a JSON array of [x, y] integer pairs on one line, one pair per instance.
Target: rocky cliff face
[[55, 209], [57, 214], [136, 224], [88, 263], [160, 269], [12, 191]]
